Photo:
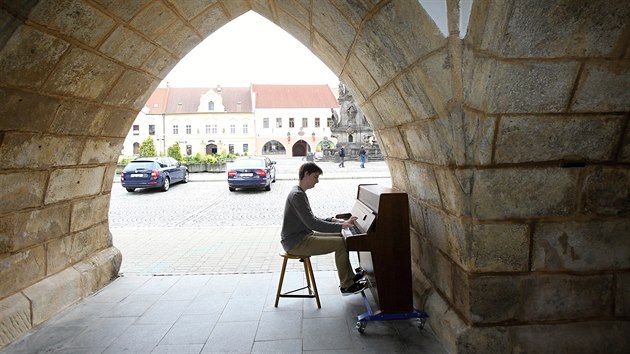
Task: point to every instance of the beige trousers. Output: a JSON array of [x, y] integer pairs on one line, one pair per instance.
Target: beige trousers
[[321, 243]]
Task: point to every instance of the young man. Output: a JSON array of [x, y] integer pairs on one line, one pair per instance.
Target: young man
[[305, 234], [342, 155]]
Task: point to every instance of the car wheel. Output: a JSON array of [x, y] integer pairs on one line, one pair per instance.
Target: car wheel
[[274, 178], [166, 185], [130, 190], [186, 177], [232, 189]]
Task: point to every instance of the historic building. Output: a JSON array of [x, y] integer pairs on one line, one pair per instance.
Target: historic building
[[289, 120]]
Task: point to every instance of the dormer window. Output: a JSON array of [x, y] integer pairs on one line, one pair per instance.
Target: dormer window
[[211, 106]]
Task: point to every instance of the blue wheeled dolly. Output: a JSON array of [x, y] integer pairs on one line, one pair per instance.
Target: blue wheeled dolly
[[363, 318]]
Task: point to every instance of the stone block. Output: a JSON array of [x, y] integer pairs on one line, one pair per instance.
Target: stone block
[[624, 154], [622, 295], [154, 19], [390, 105], [26, 194], [436, 230], [399, 176], [66, 251], [524, 193], [179, 39], [461, 291], [421, 146], [438, 77], [236, 8], [132, 90], [210, 20], [530, 86], [385, 50], [127, 46], [423, 184], [21, 269], [101, 150], [74, 18], [361, 76], [578, 337], [298, 11], [375, 120], [26, 111], [477, 138], [88, 212], [588, 29], [29, 228], [77, 118], [411, 87], [606, 191], [327, 53], [494, 339], [548, 138], [98, 270], [582, 246], [445, 322], [190, 9], [15, 318], [70, 183], [83, 74], [53, 294], [455, 188], [29, 57], [603, 87], [27, 150], [334, 26], [108, 177], [499, 248], [126, 9], [393, 144], [354, 12], [532, 298], [116, 123], [295, 27], [160, 63]]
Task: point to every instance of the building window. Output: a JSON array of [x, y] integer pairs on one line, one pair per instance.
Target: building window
[[316, 122], [245, 148], [265, 122], [213, 129], [175, 129], [245, 129], [151, 129], [304, 122], [278, 122], [188, 150], [329, 122], [136, 129], [208, 129], [211, 106], [188, 129], [231, 148], [291, 122], [232, 128]]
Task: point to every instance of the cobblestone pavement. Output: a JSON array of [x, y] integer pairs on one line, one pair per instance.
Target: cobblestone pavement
[[203, 228]]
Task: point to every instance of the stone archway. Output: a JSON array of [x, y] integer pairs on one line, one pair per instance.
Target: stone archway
[[300, 148], [512, 143]]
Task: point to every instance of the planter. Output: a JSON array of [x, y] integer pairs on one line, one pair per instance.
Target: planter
[[206, 167], [196, 167]]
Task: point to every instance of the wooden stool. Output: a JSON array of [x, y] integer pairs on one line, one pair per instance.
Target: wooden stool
[[310, 279]]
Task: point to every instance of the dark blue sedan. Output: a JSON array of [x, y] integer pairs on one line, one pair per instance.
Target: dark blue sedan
[[153, 172], [251, 172]]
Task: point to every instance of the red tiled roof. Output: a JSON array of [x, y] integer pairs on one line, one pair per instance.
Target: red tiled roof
[[294, 96], [186, 99]]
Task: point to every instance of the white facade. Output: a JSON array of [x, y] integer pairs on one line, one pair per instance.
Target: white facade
[[294, 129]]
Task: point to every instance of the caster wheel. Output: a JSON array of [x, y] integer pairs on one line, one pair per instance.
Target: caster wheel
[[421, 322], [361, 326]]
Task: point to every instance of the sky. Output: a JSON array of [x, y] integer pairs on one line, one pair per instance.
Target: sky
[[249, 50]]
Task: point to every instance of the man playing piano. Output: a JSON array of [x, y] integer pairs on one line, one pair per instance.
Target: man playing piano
[[305, 234]]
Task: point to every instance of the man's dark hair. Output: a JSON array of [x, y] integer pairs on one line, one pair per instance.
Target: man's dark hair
[[310, 168]]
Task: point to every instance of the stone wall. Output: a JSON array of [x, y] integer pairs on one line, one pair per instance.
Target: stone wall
[[513, 145]]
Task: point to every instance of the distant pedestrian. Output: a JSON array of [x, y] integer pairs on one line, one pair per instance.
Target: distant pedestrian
[[342, 155], [362, 156]]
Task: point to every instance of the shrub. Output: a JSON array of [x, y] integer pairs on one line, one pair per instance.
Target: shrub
[[147, 148], [175, 151]]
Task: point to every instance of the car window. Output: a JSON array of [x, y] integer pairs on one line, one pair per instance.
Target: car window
[[249, 163], [139, 165]]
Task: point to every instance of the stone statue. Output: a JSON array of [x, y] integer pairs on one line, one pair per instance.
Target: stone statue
[[335, 118]]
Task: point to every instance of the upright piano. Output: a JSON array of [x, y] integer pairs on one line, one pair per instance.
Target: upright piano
[[381, 237]]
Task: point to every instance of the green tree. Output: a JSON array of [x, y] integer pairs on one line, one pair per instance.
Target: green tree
[[175, 152], [147, 148]]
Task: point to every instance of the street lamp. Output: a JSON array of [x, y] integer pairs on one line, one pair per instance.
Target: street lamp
[[164, 133]]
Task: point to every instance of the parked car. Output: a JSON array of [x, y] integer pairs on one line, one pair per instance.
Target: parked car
[[251, 172], [153, 172]]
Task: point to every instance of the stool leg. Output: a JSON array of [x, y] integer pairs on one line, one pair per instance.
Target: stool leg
[[284, 267], [309, 273], [306, 262]]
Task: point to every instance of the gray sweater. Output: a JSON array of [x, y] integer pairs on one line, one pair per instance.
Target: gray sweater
[[299, 220]]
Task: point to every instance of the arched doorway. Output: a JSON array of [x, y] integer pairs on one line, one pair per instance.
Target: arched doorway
[[273, 147], [300, 148], [211, 149]]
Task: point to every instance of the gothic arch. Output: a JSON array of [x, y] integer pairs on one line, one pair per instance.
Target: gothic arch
[[512, 144]]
